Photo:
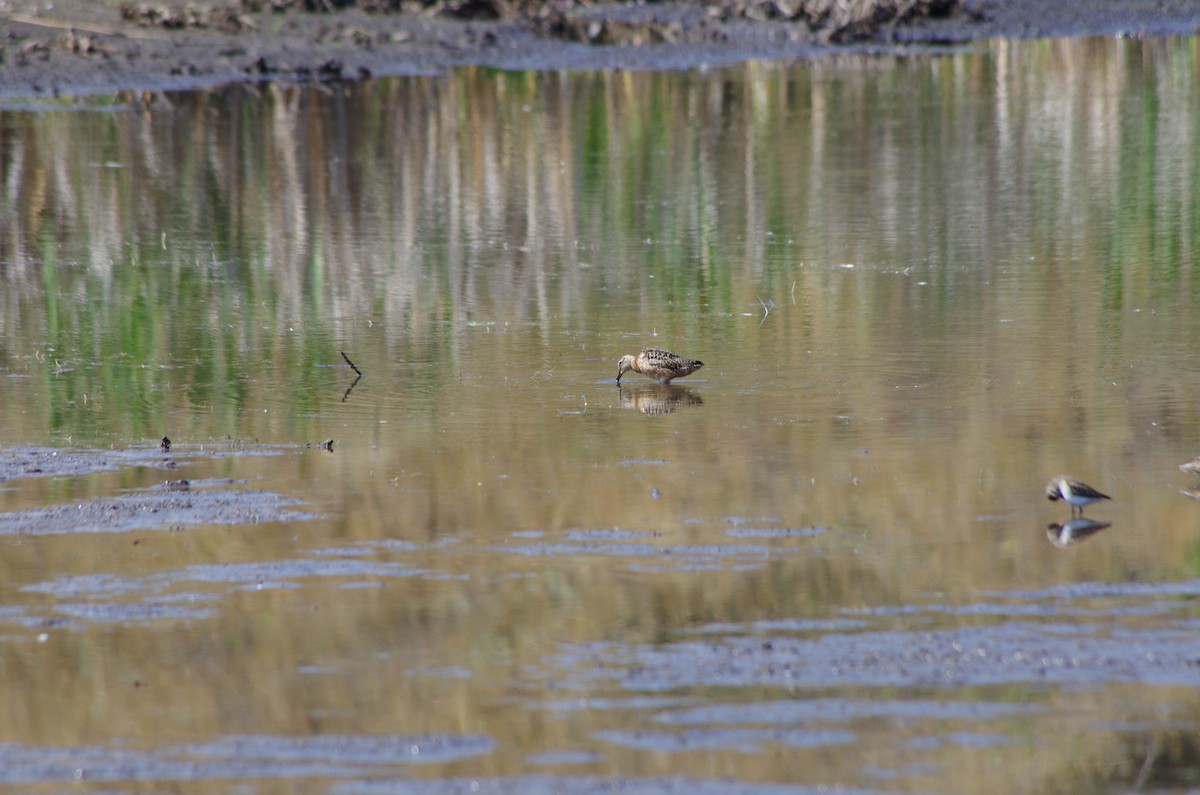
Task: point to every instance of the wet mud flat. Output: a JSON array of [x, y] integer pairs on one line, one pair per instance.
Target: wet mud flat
[[908, 683], [902, 685], [80, 47], [172, 504]]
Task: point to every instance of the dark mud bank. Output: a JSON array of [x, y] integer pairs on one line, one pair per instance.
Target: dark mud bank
[[80, 47]]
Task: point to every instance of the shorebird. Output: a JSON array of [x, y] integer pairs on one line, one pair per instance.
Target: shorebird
[[1076, 493], [1192, 467], [658, 364]]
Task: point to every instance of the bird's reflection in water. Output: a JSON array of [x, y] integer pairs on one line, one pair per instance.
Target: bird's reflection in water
[[1073, 531], [657, 398]]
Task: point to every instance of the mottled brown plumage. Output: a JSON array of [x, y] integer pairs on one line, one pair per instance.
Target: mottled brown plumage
[[658, 364]]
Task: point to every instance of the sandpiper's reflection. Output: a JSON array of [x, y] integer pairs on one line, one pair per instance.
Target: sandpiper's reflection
[[657, 398], [1192, 468], [1073, 531]]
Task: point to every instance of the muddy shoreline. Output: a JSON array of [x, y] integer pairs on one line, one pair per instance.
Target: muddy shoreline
[[174, 503], [77, 47]]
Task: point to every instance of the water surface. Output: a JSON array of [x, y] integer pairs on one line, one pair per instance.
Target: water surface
[[921, 287]]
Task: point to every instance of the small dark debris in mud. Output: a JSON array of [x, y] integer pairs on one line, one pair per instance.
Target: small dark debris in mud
[[177, 485], [259, 66], [224, 17], [80, 44], [38, 48], [330, 69]]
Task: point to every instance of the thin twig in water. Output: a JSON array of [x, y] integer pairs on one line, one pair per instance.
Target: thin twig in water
[[1147, 765], [352, 366]]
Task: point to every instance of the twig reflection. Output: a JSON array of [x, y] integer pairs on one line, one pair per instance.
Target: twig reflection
[[350, 388]]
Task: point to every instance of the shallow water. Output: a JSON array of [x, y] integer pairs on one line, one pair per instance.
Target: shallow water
[[920, 286]]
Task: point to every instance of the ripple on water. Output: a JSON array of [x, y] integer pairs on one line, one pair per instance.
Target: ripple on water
[[252, 574], [1007, 653], [613, 534], [582, 785], [656, 558], [359, 749], [843, 709], [746, 741], [256, 756], [589, 703], [775, 532], [553, 758], [1104, 590], [153, 597], [132, 613], [781, 625]]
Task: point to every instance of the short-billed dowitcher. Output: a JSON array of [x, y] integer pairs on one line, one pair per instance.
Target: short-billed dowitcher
[[658, 364], [1075, 493]]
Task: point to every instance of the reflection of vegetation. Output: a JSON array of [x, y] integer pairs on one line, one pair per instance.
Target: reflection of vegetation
[[201, 253], [1144, 757], [1190, 565]]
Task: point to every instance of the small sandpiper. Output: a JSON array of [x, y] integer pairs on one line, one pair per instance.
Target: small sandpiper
[[1075, 493], [658, 364]]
